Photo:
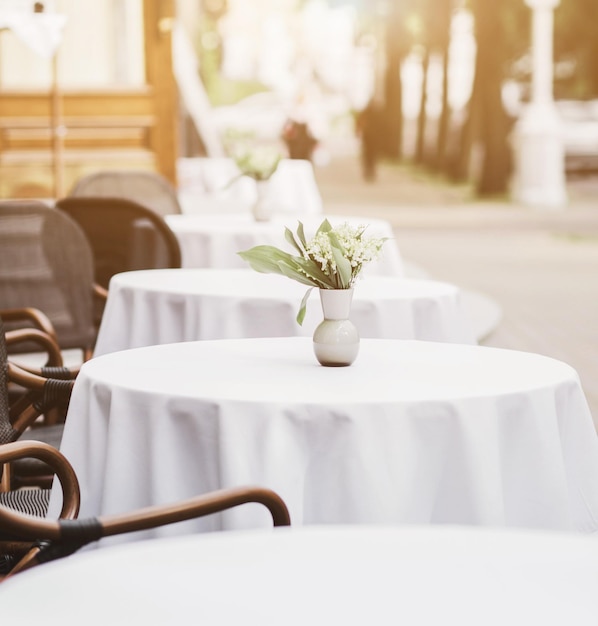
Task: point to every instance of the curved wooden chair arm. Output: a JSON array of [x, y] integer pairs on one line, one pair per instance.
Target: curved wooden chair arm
[[25, 377], [37, 528], [100, 292], [36, 378], [47, 371], [50, 391], [39, 319], [65, 536], [46, 342], [199, 506], [17, 523], [13, 523]]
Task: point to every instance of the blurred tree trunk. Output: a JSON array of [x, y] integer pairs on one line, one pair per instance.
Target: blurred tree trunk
[[488, 124], [435, 19], [392, 113], [441, 27], [575, 40], [445, 116], [493, 128], [396, 46], [502, 32], [461, 168], [420, 141]]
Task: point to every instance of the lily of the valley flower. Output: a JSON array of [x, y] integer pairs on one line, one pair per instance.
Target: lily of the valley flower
[[333, 259]]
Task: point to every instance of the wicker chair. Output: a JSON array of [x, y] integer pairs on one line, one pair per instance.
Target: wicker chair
[[42, 337], [25, 538], [41, 392], [32, 503], [148, 188], [46, 264], [123, 234]]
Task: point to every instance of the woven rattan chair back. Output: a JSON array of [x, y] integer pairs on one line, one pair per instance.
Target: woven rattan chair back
[[148, 188], [123, 235], [46, 263]]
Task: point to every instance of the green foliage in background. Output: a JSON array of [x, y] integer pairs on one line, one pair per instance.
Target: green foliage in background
[[220, 90]]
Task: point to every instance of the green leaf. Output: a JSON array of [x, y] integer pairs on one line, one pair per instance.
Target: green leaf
[[343, 265], [301, 235], [265, 259], [291, 270], [335, 243], [234, 179], [288, 235], [303, 307], [324, 227], [312, 269], [344, 271]]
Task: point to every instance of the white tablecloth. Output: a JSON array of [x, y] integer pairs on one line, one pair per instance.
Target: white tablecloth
[[412, 432], [204, 187], [166, 306], [345, 576], [214, 240]]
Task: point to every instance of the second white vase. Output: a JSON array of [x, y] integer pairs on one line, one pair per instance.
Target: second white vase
[[336, 340], [261, 207]]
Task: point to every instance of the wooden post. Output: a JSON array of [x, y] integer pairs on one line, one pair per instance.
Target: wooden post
[[158, 26], [58, 132]]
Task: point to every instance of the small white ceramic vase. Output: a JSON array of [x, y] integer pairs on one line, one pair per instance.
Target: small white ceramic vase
[[261, 207], [336, 340]]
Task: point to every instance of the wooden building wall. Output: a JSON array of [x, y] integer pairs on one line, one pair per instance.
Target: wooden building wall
[[48, 140]]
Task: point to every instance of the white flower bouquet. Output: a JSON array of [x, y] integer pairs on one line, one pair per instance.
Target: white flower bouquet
[[333, 259], [258, 163]]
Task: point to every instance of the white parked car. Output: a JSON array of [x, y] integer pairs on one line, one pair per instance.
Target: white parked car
[[580, 134]]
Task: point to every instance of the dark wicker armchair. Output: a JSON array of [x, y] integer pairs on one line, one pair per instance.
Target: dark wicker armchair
[[42, 394], [46, 264], [123, 234], [26, 395], [26, 536]]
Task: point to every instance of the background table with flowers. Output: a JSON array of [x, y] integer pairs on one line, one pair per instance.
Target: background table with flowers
[[214, 240], [149, 307]]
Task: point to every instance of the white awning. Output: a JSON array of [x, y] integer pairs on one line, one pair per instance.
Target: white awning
[[42, 32]]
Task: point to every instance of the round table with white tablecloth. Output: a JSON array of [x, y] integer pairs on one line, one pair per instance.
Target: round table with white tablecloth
[[212, 184], [213, 240], [319, 576], [169, 305], [412, 432]]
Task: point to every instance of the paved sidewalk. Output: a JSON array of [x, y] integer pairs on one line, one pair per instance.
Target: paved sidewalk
[[539, 266]]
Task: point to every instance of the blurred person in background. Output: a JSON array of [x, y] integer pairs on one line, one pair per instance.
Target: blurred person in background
[[367, 128], [302, 130]]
